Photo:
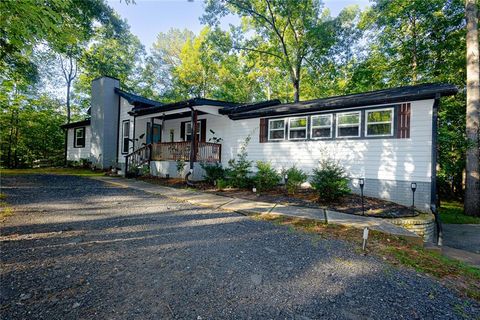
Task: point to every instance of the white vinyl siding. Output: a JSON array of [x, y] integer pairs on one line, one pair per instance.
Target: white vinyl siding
[[379, 123], [321, 126], [348, 124], [75, 154]]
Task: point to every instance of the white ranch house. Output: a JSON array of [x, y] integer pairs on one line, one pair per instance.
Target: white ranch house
[[386, 137]]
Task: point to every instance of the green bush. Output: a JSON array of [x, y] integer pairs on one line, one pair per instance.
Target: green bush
[[213, 172], [238, 171], [180, 167], [330, 181], [295, 178], [266, 177], [222, 184]]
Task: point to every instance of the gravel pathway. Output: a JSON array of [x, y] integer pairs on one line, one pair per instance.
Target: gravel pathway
[[79, 248]]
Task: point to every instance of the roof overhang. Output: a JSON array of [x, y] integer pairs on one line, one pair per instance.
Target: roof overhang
[[379, 97], [179, 106], [77, 124]]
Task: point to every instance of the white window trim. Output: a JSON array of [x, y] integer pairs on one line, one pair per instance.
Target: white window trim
[[76, 137], [381, 122], [125, 122], [321, 127], [359, 124], [298, 129], [269, 129]]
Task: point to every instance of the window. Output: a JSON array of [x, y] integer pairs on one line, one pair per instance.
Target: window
[[348, 124], [379, 123], [172, 135], [188, 130], [276, 129], [321, 126], [79, 137], [125, 136], [297, 128]]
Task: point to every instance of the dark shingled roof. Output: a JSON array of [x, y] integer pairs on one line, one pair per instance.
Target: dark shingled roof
[[136, 100], [77, 124], [183, 104], [394, 95]]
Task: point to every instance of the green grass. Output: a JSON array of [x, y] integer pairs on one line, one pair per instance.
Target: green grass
[[5, 209], [59, 171], [452, 212]]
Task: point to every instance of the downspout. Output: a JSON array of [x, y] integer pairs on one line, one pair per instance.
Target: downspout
[[192, 146], [434, 201]]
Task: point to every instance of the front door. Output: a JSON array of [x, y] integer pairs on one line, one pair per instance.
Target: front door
[[157, 133]]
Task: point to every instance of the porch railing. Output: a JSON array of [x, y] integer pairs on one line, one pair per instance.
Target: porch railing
[[137, 158], [173, 151]]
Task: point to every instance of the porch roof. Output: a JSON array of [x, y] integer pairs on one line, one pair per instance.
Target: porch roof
[[393, 95], [182, 105]]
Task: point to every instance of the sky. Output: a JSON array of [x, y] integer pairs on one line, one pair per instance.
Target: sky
[[149, 17]]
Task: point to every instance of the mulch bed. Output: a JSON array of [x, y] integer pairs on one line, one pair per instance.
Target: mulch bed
[[351, 203]]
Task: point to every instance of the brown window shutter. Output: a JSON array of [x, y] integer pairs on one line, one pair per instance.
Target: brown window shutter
[[203, 130], [263, 130], [403, 123], [182, 131]]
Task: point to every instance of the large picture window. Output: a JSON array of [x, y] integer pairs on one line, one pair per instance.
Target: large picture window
[[348, 124], [297, 128], [379, 123], [321, 126], [79, 137], [125, 136], [276, 129]]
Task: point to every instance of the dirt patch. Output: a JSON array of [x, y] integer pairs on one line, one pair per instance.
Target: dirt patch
[[351, 203]]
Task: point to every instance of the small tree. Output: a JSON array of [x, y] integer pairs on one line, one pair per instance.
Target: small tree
[[266, 177], [239, 170], [330, 181], [180, 167], [295, 178]]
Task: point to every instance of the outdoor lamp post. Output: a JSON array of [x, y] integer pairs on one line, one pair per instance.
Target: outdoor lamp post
[[414, 187], [361, 183]]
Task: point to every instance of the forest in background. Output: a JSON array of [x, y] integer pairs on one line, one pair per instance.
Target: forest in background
[[287, 49]]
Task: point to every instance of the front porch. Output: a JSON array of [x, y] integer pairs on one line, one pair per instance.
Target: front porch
[[167, 154]]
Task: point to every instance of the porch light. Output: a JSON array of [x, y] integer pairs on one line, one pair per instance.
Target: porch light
[[361, 183], [413, 186]]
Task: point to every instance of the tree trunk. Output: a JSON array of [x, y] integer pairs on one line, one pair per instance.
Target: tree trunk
[[69, 82], [472, 188]]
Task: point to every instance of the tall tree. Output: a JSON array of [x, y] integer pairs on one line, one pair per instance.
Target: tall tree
[[472, 190], [288, 30], [69, 70], [112, 52]]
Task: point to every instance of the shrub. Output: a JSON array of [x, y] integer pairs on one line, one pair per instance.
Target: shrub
[[222, 184], [213, 172], [180, 167], [238, 171], [330, 181], [266, 177], [295, 178]]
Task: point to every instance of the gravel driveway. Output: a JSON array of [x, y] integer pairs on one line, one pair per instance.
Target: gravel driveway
[[79, 248]]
